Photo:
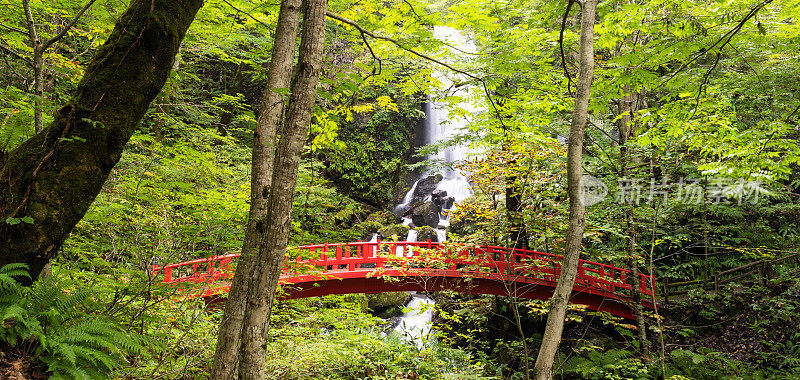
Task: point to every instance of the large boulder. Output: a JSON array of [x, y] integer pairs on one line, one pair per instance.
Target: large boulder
[[417, 219], [424, 214], [438, 197], [425, 187], [431, 215]]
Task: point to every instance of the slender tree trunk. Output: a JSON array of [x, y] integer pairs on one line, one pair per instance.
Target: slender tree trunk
[[626, 129], [267, 268], [38, 67], [577, 209], [518, 233], [232, 90], [272, 105], [38, 90], [54, 176], [39, 47]]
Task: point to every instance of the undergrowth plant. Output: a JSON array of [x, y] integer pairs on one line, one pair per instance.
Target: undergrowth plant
[[56, 324]]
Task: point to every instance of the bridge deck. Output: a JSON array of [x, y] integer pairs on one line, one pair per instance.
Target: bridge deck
[[375, 267]]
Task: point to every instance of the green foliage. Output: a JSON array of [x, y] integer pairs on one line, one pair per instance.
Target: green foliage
[[181, 198], [336, 340], [530, 167], [322, 214], [16, 118], [377, 145], [610, 364], [707, 364], [58, 323]]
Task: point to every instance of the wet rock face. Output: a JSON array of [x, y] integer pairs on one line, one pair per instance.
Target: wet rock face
[[424, 214], [431, 215], [425, 187], [422, 190], [440, 199]]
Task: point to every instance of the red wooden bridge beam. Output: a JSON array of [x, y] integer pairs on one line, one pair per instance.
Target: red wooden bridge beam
[[350, 263]]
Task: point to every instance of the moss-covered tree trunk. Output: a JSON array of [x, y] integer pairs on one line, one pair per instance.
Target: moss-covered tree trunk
[[52, 179], [272, 105], [577, 206], [275, 236]]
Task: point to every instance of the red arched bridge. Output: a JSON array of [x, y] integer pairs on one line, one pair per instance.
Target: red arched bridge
[[389, 266]]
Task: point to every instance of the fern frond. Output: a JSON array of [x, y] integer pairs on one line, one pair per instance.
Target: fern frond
[[8, 274], [15, 269], [56, 316], [69, 303], [44, 294], [97, 358]]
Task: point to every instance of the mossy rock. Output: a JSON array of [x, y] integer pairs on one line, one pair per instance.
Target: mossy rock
[[371, 226], [426, 233], [394, 232]]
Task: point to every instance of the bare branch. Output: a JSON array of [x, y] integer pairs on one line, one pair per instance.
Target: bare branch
[[16, 55], [380, 62], [423, 56], [248, 15], [561, 46], [398, 44], [67, 27], [13, 29]]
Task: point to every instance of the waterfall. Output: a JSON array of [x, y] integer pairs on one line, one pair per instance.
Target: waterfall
[[415, 324], [407, 200], [440, 126]]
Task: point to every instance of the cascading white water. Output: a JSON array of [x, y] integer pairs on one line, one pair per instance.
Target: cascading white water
[[439, 125], [415, 324], [407, 200]]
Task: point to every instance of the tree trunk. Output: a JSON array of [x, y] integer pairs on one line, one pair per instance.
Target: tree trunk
[[38, 89], [38, 67], [272, 104], [233, 89], [626, 129], [558, 304], [516, 221], [267, 268], [39, 47], [54, 177]]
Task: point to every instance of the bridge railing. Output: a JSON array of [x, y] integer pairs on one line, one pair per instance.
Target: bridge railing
[[419, 258]]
